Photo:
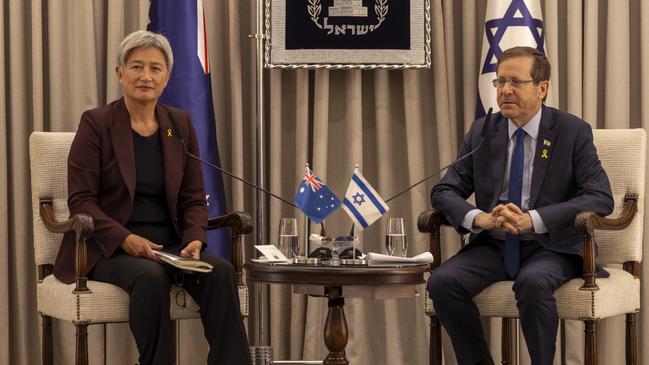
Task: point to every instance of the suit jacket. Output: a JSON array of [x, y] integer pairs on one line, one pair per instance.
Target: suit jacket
[[101, 181], [569, 180]]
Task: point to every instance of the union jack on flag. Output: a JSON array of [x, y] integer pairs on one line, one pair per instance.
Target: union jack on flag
[[314, 197], [312, 180]]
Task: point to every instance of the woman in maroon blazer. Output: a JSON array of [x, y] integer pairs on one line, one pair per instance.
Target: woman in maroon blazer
[[128, 171]]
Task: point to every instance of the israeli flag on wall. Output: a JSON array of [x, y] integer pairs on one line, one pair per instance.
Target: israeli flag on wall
[[363, 204], [190, 88], [508, 23]]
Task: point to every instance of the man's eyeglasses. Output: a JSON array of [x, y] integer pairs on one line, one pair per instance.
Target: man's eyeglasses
[[500, 83]]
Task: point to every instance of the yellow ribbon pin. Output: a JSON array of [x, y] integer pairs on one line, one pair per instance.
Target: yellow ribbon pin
[[169, 132], [544, 154]]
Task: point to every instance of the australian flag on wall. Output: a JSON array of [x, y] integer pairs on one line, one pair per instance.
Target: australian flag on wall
[[189, 88], [347, 24]]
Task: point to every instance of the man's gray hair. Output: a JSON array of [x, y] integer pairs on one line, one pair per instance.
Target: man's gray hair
[[144, 38]]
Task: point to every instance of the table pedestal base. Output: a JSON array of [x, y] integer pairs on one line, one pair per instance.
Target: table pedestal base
[[335, 330], [381, 282]]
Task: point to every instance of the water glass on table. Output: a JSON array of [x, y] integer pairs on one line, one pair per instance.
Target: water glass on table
[[288, 241], [396, 243]]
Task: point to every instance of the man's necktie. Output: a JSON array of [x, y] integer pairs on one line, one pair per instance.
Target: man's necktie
[[512, 241]]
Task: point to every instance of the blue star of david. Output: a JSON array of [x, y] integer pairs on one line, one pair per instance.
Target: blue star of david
[[359, 199], [503, 23]]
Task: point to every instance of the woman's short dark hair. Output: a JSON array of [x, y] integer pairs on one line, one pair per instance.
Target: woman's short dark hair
[[540, 66], [143, 38]]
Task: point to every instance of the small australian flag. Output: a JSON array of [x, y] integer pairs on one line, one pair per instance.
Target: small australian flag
[[314, 197]]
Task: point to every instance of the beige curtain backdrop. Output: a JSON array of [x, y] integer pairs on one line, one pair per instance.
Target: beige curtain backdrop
[[58, 60]]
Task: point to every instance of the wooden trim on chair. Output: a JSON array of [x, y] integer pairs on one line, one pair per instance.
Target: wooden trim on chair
[[435, 346], [240, 223], [47, 349], [590, 351], [44, 271], [173, 328], [506, 341], [632, 267], [587, 222], [83, 227], [82, 343], [431, 221], [631, 339]]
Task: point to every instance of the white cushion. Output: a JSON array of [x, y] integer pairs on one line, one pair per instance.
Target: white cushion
[[105, 302], [622, 153], [48, 152], [618, 294]]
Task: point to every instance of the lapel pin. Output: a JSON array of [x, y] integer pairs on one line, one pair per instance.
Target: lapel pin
[[547, 143], [544, 154], [169, 132]]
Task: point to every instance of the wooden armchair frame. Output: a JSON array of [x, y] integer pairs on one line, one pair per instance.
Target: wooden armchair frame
[[586, 223]]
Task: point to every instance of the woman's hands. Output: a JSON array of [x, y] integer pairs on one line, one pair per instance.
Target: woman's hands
[[135, 245], [193, 250]]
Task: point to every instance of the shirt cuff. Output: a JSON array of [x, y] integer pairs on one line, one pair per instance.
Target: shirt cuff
[[467, 222], [537, 222]]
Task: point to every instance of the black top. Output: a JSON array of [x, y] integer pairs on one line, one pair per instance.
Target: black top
[[150, 217]]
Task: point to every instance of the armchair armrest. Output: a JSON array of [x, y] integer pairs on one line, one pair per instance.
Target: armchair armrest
[[587, 222], [430, 221], [82, 225], [240, 223]]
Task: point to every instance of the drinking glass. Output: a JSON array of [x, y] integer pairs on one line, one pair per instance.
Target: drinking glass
[[396, 243], [288, 240], [336, 245]]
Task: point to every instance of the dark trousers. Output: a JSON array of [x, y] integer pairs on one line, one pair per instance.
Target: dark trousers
[[455, 282], [148, 284]]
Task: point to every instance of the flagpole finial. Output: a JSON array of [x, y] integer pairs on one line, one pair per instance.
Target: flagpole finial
[[356, 166], [306, 164]]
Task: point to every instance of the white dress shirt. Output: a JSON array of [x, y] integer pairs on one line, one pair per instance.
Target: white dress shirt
[[531, 135]]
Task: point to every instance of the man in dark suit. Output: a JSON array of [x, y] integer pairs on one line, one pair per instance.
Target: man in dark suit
[[536, 170]]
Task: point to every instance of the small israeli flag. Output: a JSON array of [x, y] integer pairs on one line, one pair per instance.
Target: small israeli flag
[[363, 204]]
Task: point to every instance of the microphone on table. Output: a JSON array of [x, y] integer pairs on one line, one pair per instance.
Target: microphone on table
[[179, 135], [482, 137]]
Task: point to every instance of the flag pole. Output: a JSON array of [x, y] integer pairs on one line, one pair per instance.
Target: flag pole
[[261, 352], [307, 224]]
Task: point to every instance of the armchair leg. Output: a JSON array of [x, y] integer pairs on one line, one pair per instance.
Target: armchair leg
[[590, 354], [47, 340], [82, 344], [631, 340], [174, 341], [506, 344], [435, 347]]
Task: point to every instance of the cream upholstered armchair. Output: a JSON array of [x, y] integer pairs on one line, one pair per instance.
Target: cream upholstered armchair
[[91, 302], [618, 241]]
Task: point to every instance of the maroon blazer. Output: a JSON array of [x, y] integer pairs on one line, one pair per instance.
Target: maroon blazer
[[101, 181]]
